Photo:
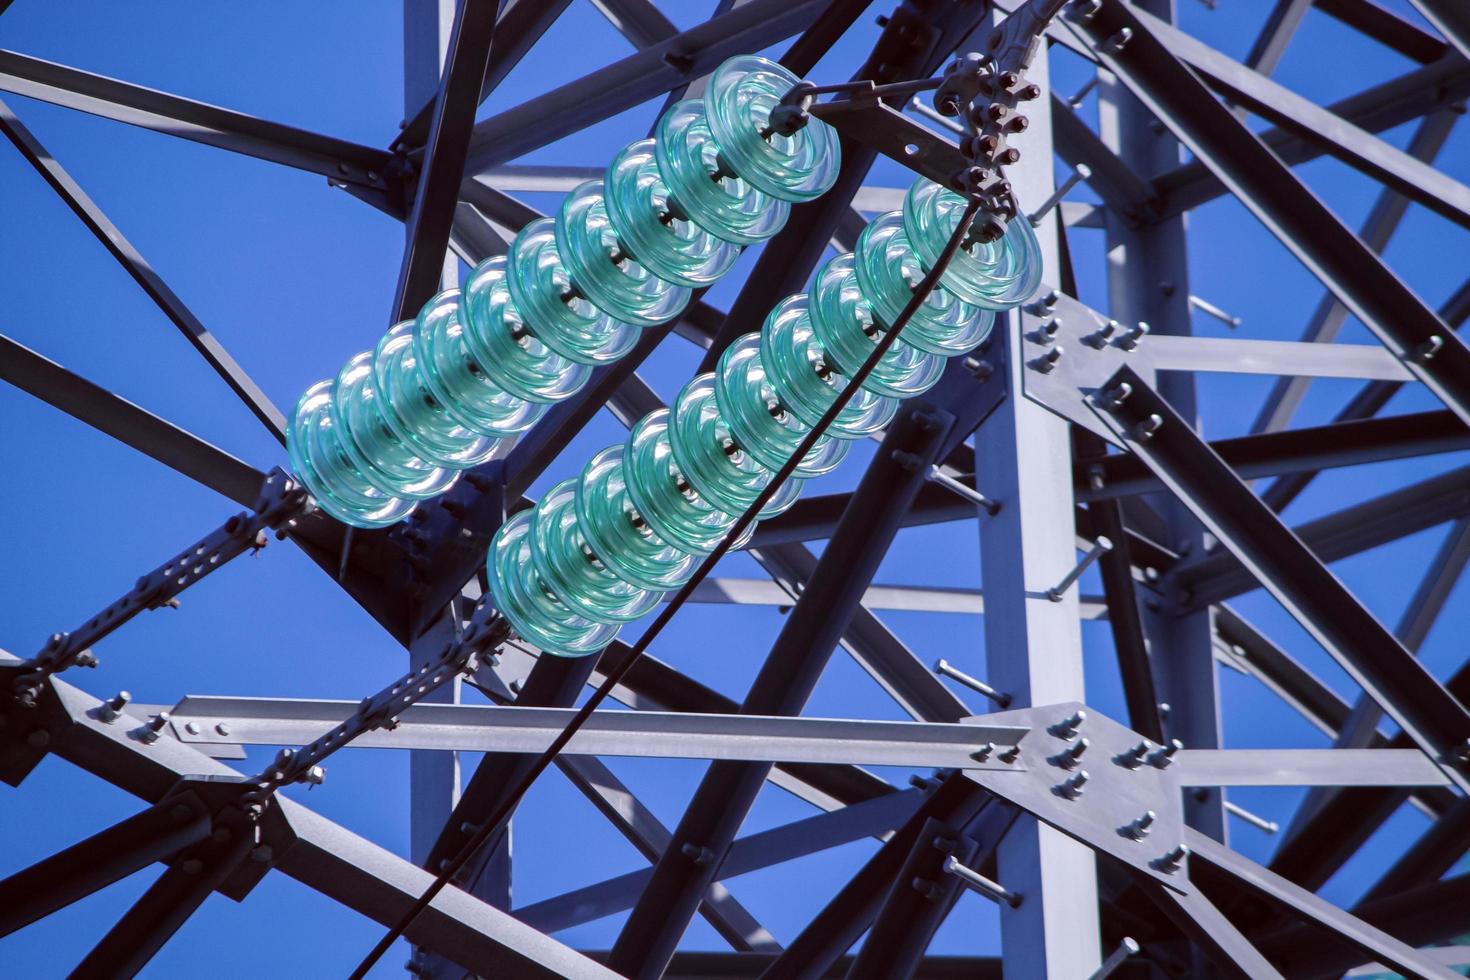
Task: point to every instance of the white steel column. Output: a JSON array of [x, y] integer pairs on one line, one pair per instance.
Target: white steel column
[[1023, 459]]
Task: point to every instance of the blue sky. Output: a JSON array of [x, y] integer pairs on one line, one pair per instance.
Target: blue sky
[[293, 277]]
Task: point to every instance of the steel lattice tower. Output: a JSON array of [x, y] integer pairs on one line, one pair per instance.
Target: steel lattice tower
[[1077, 439]]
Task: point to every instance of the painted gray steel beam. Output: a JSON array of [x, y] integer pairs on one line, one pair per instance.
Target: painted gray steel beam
[[1375, 110], [648, 834], [635, 79], [786, 679], [898, 598], [1450, 19], [876, 817], [1311, 231], [1369, 400], [339, 160], [1301, 359], [142, 273], [442, 169], [1387, 28], [1210, 929], [136, 427], [324, 856], [643, 24], [1328, 319], [1294, 576], [1281, 25]]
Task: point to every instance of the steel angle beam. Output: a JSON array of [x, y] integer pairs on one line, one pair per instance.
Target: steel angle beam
[[1393, 31], [339, 160], [142, 273], [684, 735], [437, 189], [637, 78], [1294, 576], [1209, 928], [1233, 355], [1312, 232], [1308, 767], [321, 854], [1372, 941], [134, 426]]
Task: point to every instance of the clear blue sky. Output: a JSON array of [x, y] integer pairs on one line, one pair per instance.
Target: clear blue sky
[[293, 277]]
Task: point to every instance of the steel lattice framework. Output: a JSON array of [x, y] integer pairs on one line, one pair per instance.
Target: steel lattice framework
[[1072, 430]]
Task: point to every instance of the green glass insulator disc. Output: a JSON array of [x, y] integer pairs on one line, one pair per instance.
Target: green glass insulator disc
[[739, 99], [761, 424], [848, 330], [707, 453], [457, 380], [503, 346], [992, 275], [807, 381], [719, 202], [335, 482], [888, 270], [567, 562], [663, 495], [664, 239], [387, 460], [605, 271], [560, 316], [529, 604], [619, 535], [415, 413]]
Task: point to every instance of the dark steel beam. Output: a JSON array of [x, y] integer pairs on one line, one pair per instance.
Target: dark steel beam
[[443, 165], [168, 903], [100, 860], [519, 26], [643, 24], [637, 78], [342, 161], [142, 273], [1369, 400], [818, 39], [1307, 227], [852, 910], [1288, 569], [790, 673], [1209, 928], [1452, 21], [129, 424], [1435, 852], [1387, 28], [1311, 449], [1120, 187]]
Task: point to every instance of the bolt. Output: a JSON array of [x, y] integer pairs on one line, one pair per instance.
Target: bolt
[[1043, 305], [1132, 758], [39, 739], [1068, 726], [1164, 758], [154, 727], [1136, 333], [113, 706], [1147, 426], [925, 887], [1071, 756], [262, 854], [1427, 350], [1010, 755], [1139, 828], [192, 728], [453, 507], [1072, 788], [982, 370], [222, 728], [1171, 861], [984, 752], [1099, 339], [1115, 396], [1047, 332], [699, 855], [1120, 40], [316, 775], [1047, 362]]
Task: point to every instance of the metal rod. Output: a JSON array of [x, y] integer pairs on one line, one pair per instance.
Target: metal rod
[[1259, 822], [1206, 306], [1076, 101], [1079, 173], [1056, 592], [980, 883], [1128, 947], [942, 478], [973, 683]]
